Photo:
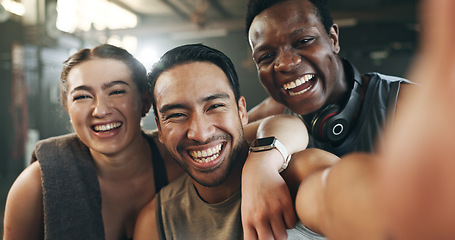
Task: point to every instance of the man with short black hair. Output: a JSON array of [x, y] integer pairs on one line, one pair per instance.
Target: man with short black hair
[[200, 117]]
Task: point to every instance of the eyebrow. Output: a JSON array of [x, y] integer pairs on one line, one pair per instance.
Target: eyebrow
[[297, 31], [113, 83], [294, 33], [104, 87], [209, 98], [81, 88], [216, 96]]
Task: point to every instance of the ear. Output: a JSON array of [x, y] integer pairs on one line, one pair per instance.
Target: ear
[[160, 136], [334, 37], [243, 113], [146, 103]]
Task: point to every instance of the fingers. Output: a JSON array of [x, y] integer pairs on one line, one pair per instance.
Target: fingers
[[273, 229], [264, 231], [280, 225], [249, 233], [290, 217], [266, 207], [270, 222]]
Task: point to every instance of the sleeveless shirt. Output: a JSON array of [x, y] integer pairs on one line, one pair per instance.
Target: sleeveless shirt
[[71, 191], [182, 214], [378, 106]]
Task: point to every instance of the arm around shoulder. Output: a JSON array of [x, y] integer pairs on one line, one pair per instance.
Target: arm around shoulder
[[266, 108], [24, 218], [146, 226]]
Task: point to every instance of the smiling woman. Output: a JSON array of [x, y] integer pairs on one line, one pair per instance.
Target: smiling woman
[[92, 184]]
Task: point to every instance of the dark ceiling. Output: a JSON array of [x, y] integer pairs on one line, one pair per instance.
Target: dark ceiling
[[165, 16]]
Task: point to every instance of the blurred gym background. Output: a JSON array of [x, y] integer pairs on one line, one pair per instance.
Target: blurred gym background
[[36, 36]]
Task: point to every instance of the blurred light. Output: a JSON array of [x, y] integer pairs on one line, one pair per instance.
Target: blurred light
[[130, 44], [346, 22], [86, 15], [115, 40], [378, 55], [148, 56], [14, 7], [127, 42], [210, 33]]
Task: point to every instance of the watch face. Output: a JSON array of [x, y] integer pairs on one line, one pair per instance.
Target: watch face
[[268, 141]]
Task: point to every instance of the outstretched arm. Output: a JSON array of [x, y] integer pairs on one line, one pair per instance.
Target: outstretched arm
[[406, 191], [418, 167], [267, 207]]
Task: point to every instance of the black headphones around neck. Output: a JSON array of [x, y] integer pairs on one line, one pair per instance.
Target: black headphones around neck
[[333, 122]]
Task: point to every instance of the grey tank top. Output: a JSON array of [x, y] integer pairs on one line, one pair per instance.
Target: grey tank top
[[377, 107], [182, 214]]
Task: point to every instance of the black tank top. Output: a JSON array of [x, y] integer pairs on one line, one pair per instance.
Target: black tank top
[[159, 169]]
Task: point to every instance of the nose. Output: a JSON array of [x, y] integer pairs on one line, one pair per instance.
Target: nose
[[200, 129], [102, 108], [286, 61]]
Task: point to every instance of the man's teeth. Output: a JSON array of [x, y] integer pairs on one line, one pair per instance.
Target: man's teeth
[[207, 155], [298, 82], [291, 93], [106, 127]]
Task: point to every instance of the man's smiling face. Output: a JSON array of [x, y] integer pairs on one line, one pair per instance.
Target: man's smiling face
[[199, 120], [295, 56]]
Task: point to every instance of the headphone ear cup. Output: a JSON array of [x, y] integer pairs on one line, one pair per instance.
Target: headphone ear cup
[[318, 123], [333, 122]]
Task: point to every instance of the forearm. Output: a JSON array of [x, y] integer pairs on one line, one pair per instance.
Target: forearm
[[305, 163], [267, 207], [333, 202], [288, 129]]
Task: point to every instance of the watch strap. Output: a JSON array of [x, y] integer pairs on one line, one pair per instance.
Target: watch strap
[[278, 146]]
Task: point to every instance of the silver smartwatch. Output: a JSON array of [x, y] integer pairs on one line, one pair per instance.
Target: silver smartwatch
[[268, 143]]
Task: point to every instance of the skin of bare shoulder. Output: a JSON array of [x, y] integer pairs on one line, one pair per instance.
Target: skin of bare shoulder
[[146, 227], [24, 206]]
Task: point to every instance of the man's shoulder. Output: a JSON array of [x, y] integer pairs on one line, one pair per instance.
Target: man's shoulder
[[175, 189], [387, 78]]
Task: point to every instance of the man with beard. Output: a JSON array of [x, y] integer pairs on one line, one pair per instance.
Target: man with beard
[[200, 116]]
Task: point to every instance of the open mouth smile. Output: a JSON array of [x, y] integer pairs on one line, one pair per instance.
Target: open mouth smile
[[207, 155], [106, 127], [299, 86]]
